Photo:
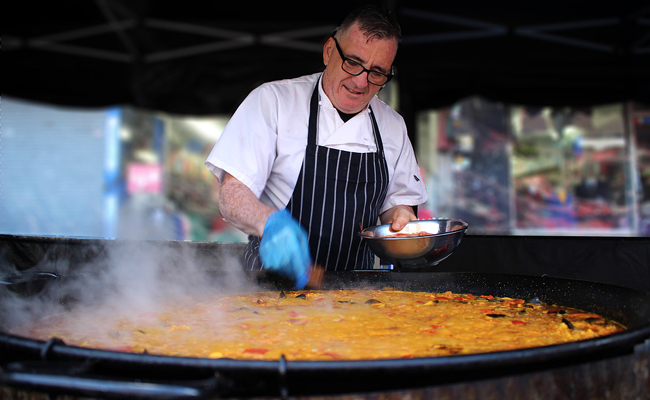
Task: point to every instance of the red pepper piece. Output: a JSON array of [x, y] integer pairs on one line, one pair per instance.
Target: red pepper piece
[[256, 351], [433, 329]]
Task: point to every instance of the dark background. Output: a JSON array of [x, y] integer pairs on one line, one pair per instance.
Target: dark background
[[203, 57]]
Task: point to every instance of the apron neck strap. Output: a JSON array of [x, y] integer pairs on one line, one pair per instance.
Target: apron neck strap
[[375, 131], [313, 117]]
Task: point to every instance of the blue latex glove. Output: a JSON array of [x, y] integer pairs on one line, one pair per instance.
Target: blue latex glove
[[285, 248]]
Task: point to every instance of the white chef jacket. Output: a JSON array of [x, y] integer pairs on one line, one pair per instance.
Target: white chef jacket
[[263, 144]]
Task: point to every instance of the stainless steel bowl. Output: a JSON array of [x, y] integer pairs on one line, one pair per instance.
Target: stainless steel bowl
[[437, 240]]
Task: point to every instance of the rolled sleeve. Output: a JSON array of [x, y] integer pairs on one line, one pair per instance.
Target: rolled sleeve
[[246, 148]]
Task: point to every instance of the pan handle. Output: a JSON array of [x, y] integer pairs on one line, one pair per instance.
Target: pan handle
[[106, 387], [642, 347]]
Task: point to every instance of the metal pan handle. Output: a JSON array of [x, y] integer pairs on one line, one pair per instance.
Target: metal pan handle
[[108, 387]]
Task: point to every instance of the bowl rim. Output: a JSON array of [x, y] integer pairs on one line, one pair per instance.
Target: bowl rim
[[374, 227]]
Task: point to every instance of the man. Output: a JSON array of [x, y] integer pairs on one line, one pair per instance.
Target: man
[[305, 163]]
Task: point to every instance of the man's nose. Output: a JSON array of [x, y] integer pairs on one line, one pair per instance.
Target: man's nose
[[361, 80]]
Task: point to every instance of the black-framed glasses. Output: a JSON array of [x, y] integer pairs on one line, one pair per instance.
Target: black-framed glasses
[[354, 68]]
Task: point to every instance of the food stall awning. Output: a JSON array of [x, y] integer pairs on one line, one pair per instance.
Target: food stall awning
[[197, 57]]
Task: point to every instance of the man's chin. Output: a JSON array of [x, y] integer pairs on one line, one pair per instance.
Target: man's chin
[[353, 107]]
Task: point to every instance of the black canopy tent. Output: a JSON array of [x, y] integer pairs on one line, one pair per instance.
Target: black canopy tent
[[203, 57]]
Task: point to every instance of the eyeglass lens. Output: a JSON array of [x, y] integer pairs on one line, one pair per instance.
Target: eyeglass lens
[[354, 68]]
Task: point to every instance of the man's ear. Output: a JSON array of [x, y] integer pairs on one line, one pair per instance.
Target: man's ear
[[327, 50]]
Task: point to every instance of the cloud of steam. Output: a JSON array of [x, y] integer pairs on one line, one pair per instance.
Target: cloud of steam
[[126, 279]]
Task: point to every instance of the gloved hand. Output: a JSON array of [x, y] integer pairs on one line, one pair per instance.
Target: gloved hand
[[285, 248]]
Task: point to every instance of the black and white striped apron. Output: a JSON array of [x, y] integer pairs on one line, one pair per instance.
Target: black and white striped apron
[[337, 192]]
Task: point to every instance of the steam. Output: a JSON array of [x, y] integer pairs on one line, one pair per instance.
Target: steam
[[125, 279]]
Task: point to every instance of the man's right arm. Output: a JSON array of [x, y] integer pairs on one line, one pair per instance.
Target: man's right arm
[[284, 246], [241, 208]]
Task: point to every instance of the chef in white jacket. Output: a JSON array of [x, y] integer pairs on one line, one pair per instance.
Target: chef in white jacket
[[304, 164]]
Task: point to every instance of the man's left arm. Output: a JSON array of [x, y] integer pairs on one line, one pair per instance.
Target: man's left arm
[[406, 189]]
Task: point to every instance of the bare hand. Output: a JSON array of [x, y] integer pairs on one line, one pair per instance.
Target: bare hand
[[398, 217]]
